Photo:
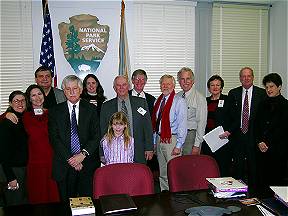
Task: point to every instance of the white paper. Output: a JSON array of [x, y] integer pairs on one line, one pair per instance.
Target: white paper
[[213, 140], [264, 211], [281, 191]]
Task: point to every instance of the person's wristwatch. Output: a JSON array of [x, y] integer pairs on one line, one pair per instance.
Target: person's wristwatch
[[84, 152]]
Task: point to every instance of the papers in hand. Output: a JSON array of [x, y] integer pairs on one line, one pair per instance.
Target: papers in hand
[[81, 206], [213, 140]]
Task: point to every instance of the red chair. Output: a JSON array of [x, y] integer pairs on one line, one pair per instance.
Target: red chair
[[129, 178], [189, 172]]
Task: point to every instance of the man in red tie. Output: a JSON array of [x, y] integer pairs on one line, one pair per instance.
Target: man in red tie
[[169, 120], [244, 103]]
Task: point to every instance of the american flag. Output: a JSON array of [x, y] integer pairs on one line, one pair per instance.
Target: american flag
[[47, 53]]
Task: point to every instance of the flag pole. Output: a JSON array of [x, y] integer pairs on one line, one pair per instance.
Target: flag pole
[[124, 61]]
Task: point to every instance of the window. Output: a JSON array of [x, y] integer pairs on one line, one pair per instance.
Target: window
[[239, 38], [16, 45], [164, 40]]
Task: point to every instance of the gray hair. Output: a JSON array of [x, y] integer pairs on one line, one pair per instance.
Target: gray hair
[[185, 69], [71, 78], [167, 76], [125, 77]]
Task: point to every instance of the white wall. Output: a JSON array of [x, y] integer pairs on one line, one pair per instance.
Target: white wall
[[278, 41]]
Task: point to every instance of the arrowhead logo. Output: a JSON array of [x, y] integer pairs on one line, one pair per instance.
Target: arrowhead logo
[[84, 43]]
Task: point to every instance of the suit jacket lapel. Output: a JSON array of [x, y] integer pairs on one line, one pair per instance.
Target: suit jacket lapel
[[254, 100], [65, 117], [82, 118]]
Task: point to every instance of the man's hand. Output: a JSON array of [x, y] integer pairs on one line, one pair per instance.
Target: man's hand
[[12, 117], [13, 185], [224, 135], [263, 147], [176, 151], [149, 155], [76, 159], [78, 167], [195, 150]]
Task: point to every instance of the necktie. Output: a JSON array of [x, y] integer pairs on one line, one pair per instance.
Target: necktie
[[160, 114], [75, 143], [183, 95], [245, 114], [125, 111], [138, 94], [124, 108]]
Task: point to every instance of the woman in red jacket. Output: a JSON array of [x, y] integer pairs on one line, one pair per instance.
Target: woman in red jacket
[[41, 187]]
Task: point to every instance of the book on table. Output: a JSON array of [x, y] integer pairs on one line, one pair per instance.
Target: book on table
[[117, 203], [227, 184], [81, 206], [274, 206], [281, 193], [227, 187]]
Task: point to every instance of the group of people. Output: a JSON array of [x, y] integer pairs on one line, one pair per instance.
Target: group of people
[[53, 140]]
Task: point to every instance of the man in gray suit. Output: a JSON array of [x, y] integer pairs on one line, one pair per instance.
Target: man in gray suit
[[53, 96], [138, 116]]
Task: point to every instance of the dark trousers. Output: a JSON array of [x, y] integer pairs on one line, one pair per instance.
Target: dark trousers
[[244, 160], [75, 184], [14, 197], [223, 156]]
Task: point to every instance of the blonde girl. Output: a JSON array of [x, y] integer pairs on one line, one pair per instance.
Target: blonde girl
[[117, 144]]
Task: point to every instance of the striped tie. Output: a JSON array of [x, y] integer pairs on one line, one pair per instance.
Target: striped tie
[[124, 110], [75, 143], [160, 114]]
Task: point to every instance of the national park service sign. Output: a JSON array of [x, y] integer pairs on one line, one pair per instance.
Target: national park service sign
[[84, 43]]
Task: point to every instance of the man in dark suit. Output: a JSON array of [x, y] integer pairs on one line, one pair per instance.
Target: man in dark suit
[[75, 135], [139, 80], [53, 96], [244, 104], [138, 117]]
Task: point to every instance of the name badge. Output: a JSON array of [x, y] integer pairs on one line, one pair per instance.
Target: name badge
[[141, 111], [38, 111], [221, 103]]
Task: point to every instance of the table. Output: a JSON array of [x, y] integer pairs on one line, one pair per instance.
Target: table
[[164, 203]]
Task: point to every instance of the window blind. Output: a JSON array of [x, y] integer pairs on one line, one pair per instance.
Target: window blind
[[16, 59], [239, 39], [164, 40]]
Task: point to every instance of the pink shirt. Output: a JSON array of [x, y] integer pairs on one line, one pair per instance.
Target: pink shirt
[[115, 151]]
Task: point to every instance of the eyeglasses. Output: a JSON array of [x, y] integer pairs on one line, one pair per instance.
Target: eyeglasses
[[18, 101]]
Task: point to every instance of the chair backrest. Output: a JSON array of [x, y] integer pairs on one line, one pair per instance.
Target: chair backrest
[[129, 178], [189, 172]]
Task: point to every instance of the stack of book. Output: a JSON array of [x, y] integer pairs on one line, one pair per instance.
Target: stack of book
[[82, 206], [281, 193], [227, 187]]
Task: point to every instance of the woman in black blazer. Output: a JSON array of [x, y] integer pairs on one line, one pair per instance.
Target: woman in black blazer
[[217, 105], [14, 152], [271, 136]]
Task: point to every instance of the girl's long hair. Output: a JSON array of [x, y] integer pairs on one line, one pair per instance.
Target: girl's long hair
[[118, 118]]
